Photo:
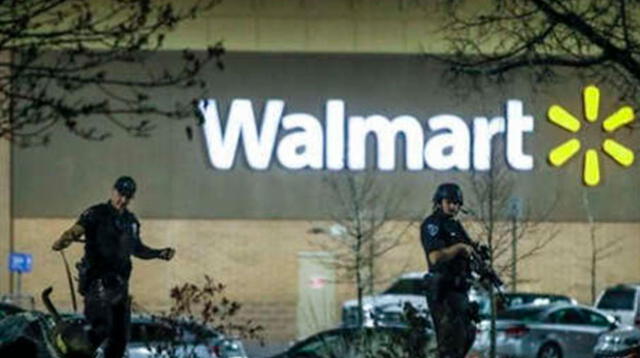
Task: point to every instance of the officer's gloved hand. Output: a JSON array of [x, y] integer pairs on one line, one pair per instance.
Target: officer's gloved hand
[[167, 253], [61, 244]]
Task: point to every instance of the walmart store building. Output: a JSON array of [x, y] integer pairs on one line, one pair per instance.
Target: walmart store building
[[332, 85]]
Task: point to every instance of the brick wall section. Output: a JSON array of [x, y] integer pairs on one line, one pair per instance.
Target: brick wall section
[[257, 260], [277, 317]]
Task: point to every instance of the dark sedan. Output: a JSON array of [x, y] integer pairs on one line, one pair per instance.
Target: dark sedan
[[7, 309]]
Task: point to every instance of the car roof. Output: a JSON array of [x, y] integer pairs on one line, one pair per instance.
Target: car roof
[[415, 274], [355, 328], [535, 294], [624, 285], [551, 306], [10, 306]]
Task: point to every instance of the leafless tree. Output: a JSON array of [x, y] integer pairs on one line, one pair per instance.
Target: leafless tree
[[503, 225], [598, 250], [364, 230], [58, 59], [601, 38], [505, 222]]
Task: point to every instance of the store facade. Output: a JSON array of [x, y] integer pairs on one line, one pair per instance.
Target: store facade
[[240, 198]]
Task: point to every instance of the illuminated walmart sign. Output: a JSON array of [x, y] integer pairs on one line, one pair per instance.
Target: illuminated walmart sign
[[621, 154], [341, 142]]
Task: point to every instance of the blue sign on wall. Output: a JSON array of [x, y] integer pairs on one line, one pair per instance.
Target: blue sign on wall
[[20, 262]]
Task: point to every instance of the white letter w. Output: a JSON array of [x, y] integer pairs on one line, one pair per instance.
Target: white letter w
[[241, 121]]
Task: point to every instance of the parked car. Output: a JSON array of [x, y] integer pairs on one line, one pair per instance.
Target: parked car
[[515, 299], [549, 331], [27, 334], [623, 342], [150, 336], [345, 342], [154, 337], [7, 309], [621, 301], [386, 308]]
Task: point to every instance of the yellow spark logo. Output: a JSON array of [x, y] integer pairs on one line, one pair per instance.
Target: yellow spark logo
[[565, 151]]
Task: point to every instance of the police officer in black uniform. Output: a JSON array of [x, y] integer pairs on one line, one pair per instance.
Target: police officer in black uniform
[[112, 235], [446, 248]]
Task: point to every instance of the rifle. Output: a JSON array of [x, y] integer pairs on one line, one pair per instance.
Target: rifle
[[480, 264]]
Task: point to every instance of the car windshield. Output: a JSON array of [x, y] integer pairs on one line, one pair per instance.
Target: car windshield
[[519, 299], [406, 287], [151, 332], [529, 314], [536, 299], [617, 299]]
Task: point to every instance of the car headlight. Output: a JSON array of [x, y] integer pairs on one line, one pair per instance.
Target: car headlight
[[609, 339]]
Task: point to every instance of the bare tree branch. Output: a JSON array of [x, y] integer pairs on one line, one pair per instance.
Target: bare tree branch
[[362, 213], [58, 66], [599, 38]]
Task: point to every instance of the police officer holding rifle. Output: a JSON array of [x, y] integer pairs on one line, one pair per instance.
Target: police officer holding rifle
[[452, 257]]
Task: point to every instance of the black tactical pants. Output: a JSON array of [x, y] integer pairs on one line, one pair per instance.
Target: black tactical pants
[[107, 308], [451, 315]]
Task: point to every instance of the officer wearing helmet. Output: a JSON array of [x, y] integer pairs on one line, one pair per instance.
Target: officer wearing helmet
[[445, 245], [111, 236]]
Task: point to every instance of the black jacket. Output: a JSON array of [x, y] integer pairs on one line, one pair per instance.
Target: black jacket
[[111, 238], [439, 231]]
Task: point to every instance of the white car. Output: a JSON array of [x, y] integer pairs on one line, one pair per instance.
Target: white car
[[560, 330], [387, 307], [623, 302], [157, 338]]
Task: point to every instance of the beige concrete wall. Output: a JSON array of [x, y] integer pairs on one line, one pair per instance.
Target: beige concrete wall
[[351, 26], [257, 260]]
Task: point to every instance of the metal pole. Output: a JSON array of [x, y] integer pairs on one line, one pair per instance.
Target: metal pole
[[12, 60], [514, 253]]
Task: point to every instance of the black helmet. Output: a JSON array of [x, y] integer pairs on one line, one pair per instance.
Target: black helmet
[[449, 191], [125, 185]]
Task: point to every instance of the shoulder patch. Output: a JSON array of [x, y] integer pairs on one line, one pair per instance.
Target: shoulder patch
[[432, 229]]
